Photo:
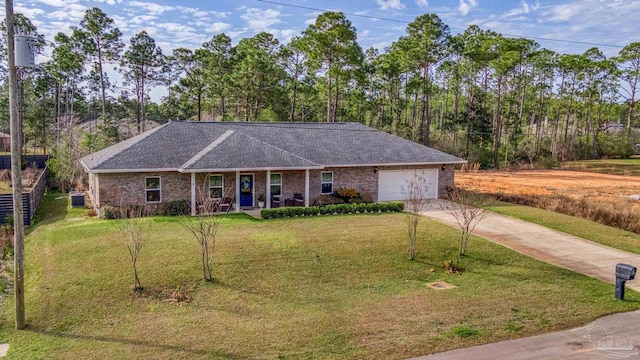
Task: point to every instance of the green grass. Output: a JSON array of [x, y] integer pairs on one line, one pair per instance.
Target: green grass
[[317, 287], [627, 167], [586, 229]]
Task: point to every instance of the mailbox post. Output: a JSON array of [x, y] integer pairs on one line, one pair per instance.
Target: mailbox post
[[624, 272]]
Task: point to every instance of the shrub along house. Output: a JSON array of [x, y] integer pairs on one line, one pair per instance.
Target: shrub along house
[[243, 160]]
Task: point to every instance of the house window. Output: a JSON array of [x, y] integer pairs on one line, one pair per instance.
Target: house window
[[152, 189], [216, 186], [327, 182], [276, 184]]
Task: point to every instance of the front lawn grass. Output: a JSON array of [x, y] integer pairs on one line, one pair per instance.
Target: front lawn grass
[[586, 229], [317, 287], [627, 167]]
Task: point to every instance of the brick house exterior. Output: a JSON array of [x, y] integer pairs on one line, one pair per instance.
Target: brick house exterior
[[174, 162], [129, 188]]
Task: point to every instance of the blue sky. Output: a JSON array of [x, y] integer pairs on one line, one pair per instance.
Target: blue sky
[[188, 24]]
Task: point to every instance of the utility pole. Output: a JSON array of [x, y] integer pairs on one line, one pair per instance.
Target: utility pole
[[16, 170]]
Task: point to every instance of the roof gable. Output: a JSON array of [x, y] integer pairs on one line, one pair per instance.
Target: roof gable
[[240, 151]]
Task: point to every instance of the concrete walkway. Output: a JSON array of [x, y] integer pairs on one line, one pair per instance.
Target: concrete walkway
[[586, 342], [555, 247]]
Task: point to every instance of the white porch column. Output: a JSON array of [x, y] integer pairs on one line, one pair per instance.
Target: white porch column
[[267, 198], [193, 194], [238, 191], [306, 188]]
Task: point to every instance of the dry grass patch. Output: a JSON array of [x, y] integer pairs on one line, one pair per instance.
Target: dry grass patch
[[607, 199]]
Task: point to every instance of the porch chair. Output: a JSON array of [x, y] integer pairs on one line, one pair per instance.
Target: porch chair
[[226, 204], [275, 201], [298, 199]]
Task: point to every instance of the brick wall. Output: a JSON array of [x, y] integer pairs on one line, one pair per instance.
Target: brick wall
[[129, 189], [112, 189]]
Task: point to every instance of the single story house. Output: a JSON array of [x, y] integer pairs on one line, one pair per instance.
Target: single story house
[[242, 160]]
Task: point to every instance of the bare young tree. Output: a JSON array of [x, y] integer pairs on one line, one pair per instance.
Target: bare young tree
[[468, 208], [416, 193], [135, 228], [204, 227]]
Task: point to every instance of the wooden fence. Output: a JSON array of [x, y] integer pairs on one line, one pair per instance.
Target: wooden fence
[[30, 200]]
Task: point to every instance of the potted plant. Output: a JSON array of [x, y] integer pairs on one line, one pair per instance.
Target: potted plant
[[261, 201]]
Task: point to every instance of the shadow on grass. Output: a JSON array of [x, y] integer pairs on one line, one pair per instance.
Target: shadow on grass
[[214, 353]]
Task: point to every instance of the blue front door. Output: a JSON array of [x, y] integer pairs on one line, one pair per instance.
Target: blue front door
[[246, 190]]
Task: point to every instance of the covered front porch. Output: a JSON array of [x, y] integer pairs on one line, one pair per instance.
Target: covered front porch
[[247, 188]]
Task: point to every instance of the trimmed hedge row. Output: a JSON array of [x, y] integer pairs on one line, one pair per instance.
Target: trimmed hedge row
[[359, 208]]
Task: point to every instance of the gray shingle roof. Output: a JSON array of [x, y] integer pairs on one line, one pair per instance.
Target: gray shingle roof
[[205, 146]]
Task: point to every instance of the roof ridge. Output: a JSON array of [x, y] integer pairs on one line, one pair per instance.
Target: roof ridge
[[217, 141], [139, 137], [275, 147]]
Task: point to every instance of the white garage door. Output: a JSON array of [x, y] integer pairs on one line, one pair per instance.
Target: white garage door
[[391, 182]]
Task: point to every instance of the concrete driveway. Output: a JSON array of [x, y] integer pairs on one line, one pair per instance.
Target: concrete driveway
[[555, 247], [610, 337], [586, 342]]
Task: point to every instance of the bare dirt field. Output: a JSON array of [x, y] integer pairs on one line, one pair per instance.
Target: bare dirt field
[[574, 184]]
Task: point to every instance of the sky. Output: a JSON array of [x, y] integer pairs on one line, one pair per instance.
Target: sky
[[574, 25]]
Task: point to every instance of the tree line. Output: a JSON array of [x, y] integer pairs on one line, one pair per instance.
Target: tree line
[[493, 99]]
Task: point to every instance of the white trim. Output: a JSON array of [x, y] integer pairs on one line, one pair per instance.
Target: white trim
[[306, 188], [119, 171], [209, 184], [238, 191], [256, 169], [322, 182], [208, 148], [319, 167], [281, 182], [159, 189], [398, 164], [267, 198], [193, 194]]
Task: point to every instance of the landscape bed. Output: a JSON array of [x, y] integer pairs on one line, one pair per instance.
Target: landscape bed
[[312, 287]]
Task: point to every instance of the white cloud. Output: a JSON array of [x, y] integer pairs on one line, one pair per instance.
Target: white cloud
[[29, 12], [287, 34], [199, 13], [390, 4], [525, 8], [142, 19], [108, 2], [235, 34], [564, 12], [216, 27], [260, 20], [57, 3], [71, 12], [422, 3], [466, 6], [152, 8]]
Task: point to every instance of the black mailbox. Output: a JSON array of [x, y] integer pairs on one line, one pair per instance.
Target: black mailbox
[[624, 272]]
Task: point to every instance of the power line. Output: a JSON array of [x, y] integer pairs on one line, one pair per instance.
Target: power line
[[454, 28]]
